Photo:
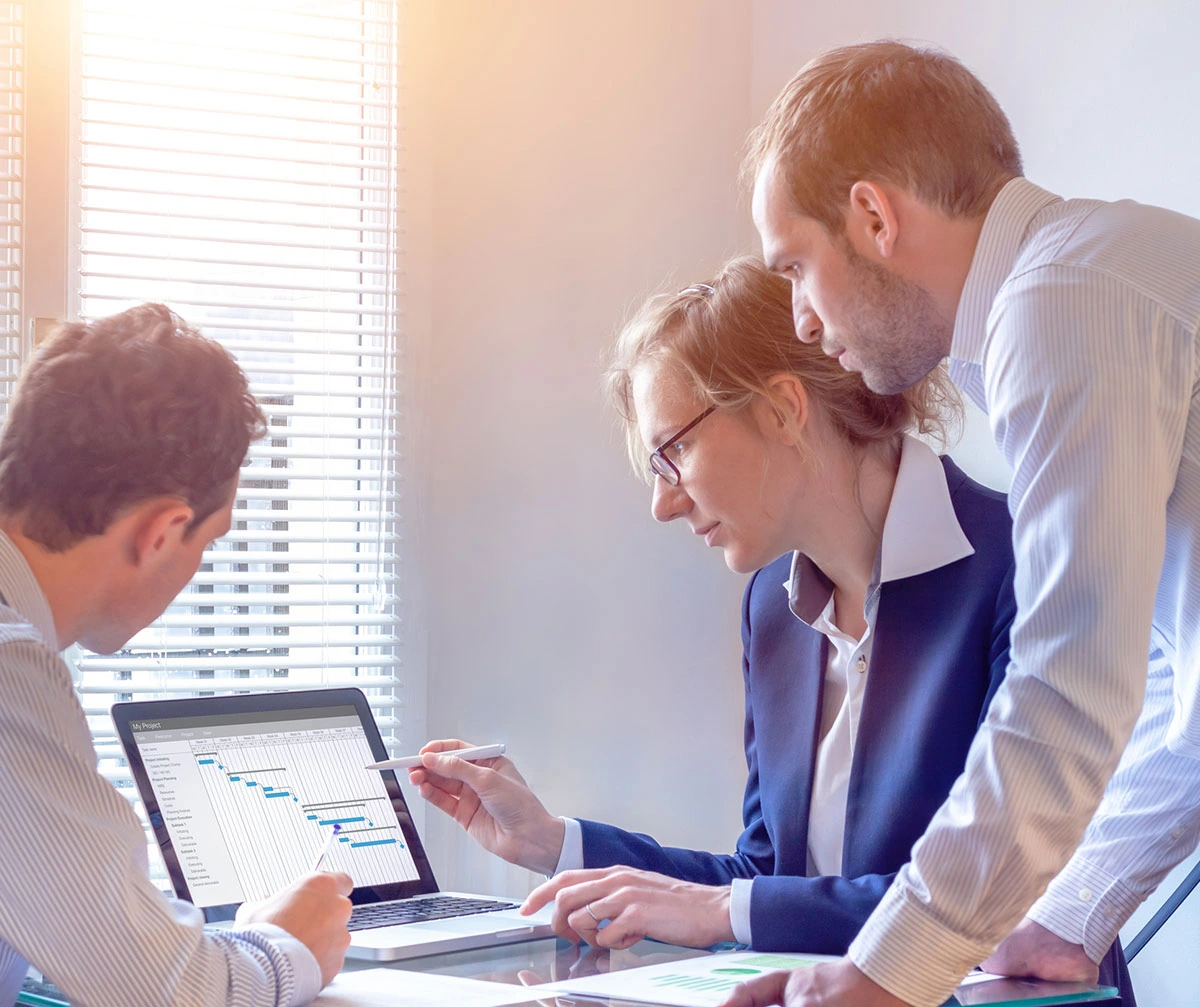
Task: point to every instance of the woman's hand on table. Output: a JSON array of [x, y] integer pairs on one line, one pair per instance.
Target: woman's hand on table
[[636, 904]]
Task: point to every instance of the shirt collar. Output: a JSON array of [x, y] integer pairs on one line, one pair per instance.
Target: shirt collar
[[23, 594], [1005, 229], [920, 533]]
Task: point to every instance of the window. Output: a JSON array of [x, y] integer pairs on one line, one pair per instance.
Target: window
[[237, 160], [12, 54]]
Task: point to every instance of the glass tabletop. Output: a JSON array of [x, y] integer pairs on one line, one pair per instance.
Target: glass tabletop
[[533, 963]]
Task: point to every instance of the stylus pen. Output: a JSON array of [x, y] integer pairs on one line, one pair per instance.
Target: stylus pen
[[470, 754], [326, 848]]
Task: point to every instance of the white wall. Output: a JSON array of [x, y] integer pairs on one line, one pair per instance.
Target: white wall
[[563, 159], [1104, 98], [573, 156]]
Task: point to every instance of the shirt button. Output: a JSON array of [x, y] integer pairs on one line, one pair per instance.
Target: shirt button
[[1085, 895], [861, 664], [1176, 833]]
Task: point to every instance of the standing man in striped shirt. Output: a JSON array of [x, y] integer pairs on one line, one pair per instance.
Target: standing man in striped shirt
[[118, 467], [888, 189]]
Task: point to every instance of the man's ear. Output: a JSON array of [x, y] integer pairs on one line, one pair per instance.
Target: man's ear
[[156, 527], [787, 407], [871, 221]]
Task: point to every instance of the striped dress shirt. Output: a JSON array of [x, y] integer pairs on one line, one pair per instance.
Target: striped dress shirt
[[75, 897], [1077, 333]]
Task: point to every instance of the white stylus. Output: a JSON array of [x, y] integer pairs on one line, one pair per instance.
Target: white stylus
[[326, 848], [470, 754]]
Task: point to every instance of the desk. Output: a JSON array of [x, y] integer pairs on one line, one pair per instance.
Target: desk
[[553, 960]]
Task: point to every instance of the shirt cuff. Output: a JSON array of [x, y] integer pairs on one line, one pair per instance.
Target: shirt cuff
[[910, 954], [306, 973], [739, 910], [570, 858], [1085, 905]]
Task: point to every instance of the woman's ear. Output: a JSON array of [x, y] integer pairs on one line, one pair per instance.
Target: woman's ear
[[786, 411]]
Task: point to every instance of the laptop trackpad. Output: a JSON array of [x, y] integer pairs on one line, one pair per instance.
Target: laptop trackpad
[[457, 926]]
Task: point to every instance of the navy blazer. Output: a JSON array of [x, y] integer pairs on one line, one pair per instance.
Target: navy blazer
[[940, 653]]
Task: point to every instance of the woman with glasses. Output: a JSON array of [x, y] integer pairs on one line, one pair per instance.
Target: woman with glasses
[[875, 632]]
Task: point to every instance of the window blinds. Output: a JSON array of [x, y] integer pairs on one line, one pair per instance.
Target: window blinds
[[238, 162], [12, 85]]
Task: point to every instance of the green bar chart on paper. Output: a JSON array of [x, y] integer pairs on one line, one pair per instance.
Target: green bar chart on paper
[[694, 982], [725, 975]]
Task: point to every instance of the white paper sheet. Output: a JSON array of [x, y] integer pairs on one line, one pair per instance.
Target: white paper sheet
[[694, 982], [979, 977], [400, 988]]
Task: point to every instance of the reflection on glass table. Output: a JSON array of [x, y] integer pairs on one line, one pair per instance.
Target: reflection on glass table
[[535, 963]]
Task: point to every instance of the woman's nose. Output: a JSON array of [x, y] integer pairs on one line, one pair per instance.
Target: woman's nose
[[668, 502]]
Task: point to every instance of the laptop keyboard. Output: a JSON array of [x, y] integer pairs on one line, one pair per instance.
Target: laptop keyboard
[[438, 907]]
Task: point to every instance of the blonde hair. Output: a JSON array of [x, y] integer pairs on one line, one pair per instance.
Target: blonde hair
[[729, 337], [885, 112]]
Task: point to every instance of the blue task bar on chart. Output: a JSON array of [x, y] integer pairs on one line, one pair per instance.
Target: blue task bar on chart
[[206, 762], [373, 842], [341, 821], [277, 793]]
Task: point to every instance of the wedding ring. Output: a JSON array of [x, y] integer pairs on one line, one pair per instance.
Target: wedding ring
[[588, 907]]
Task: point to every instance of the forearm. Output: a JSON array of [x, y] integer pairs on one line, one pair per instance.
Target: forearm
[[1147, 823], [820, 915], [607, 846], [961, 895], [109, 937]]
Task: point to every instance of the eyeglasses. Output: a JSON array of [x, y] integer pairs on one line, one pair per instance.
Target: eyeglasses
[[660, 464]]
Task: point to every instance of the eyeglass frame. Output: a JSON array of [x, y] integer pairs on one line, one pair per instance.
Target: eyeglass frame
[[665, 469]]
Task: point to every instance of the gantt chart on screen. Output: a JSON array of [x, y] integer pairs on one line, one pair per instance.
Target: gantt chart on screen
[[249, 800]]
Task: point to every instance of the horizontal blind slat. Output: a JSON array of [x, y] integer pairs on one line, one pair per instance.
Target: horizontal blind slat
[[228, 50], [356, 102], [130, 298], [334, 600], [258, 241], [233, 664], [324, 227], [359, 144], [206, 281], [248, 263], [228, 197], [142, 61], [238, 114], [358, 618]]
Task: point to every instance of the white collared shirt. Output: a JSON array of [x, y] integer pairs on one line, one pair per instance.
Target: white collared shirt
[[1077, 331], [920, 533]]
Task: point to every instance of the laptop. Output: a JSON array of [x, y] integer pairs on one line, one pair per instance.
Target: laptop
[[243, 792]]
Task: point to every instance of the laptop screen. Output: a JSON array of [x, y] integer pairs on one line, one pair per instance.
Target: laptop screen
[[249, 798]]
